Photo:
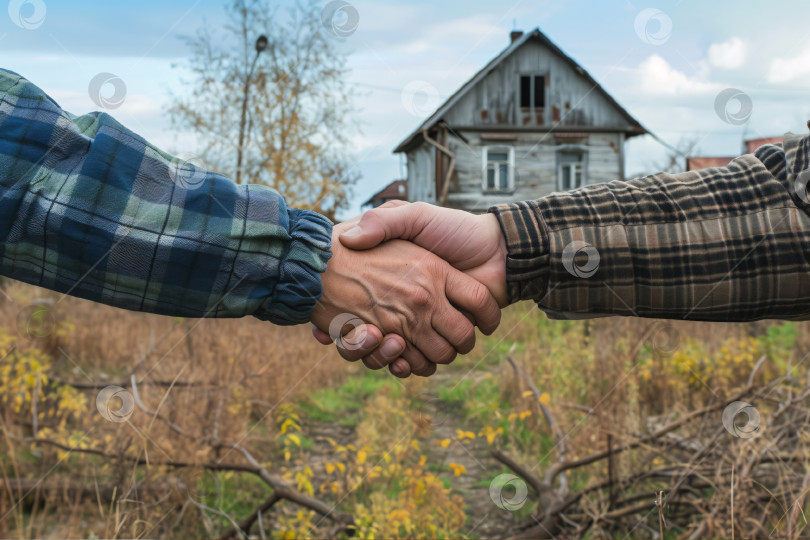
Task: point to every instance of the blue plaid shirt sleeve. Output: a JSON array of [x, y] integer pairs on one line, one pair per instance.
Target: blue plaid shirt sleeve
[[90, 209]]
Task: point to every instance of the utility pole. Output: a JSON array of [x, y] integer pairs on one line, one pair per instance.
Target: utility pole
[[261, 44]]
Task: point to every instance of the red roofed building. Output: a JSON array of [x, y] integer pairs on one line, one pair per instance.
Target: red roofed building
[[395, 191], [753, 144], [696, 163]]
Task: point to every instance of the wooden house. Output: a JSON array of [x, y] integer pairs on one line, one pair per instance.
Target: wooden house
[[531, 122]]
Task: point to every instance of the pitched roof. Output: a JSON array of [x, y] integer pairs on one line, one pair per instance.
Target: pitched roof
[[398, 189], [535, 34]]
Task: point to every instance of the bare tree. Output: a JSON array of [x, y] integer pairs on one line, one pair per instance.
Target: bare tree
[[299, 106]]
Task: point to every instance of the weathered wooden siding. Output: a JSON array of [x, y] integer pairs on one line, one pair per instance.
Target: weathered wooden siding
[[570, 99], [422, 174], [535, 167]]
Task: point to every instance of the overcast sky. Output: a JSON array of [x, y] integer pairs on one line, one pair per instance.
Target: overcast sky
[[665, 62]]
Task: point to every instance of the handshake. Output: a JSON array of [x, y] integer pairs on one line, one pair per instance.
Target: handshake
[[412, 301]]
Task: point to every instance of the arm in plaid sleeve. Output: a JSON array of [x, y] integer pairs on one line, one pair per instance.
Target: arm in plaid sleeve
[[90, 209], [728, 244]]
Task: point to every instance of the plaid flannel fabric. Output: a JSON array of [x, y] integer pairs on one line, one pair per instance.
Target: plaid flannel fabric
[[89, 208], [729, 244]]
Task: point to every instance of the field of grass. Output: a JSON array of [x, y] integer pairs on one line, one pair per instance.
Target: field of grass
[[216, 427]]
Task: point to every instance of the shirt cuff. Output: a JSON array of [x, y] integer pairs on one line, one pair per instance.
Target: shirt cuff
[[299, 281], [527, 257]]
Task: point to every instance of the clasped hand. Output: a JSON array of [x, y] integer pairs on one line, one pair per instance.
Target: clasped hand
[[407, 284]]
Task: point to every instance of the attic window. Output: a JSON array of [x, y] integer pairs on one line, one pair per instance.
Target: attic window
[[532, 92]]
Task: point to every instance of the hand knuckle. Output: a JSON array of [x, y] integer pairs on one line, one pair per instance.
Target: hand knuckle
[[445, 356], [420, 296], [480, 297], [467, 339], [429, 370], [407, 324], [372, 363]]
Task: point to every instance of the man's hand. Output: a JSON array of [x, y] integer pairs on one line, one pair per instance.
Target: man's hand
[[472, 243], [405, 290]]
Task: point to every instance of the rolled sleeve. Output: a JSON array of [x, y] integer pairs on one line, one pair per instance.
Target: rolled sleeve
[[91, 209], [299, 283]]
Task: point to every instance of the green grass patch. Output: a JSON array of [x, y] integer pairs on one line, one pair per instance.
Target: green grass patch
[[341, 404], [237, 493]]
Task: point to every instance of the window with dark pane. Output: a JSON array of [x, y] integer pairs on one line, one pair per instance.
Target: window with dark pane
[[532, 98], [525, 91], [539, 91]]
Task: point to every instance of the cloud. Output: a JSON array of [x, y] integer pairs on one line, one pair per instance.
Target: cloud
[[730, 54], [787, 69], [657, 77], [133, 104], [466, 30]]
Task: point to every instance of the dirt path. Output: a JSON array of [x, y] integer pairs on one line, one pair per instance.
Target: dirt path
[[484, 518]]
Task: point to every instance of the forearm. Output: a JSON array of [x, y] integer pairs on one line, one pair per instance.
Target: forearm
[[727, 244], [90, 209]]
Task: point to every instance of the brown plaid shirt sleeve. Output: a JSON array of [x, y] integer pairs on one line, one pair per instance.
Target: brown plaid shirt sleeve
[[722, 244]]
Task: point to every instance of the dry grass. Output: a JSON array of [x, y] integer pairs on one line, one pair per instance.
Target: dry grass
[[211, 383], [105, 343], [608, 382], [217, 381]]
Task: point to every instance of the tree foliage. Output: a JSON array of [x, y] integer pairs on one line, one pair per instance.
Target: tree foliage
[[299, 112]]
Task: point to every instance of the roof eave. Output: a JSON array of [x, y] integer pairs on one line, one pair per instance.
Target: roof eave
[[434, 118], [409, 143], [413, 140]]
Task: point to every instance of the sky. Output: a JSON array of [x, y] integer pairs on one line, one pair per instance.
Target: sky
[[714, 72]]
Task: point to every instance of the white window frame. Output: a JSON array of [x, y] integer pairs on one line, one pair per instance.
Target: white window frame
[[510, 181], [582, 164]]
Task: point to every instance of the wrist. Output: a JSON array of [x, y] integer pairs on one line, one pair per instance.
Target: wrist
[[526, 238], [346, 294], [324, 310], [497, 283]]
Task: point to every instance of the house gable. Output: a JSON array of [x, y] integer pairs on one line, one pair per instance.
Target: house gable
[[568, 95], [531, 122], [573, 99]]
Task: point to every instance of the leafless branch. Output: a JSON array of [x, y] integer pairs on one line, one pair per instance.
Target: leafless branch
[[279, 486], [246, 524]]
